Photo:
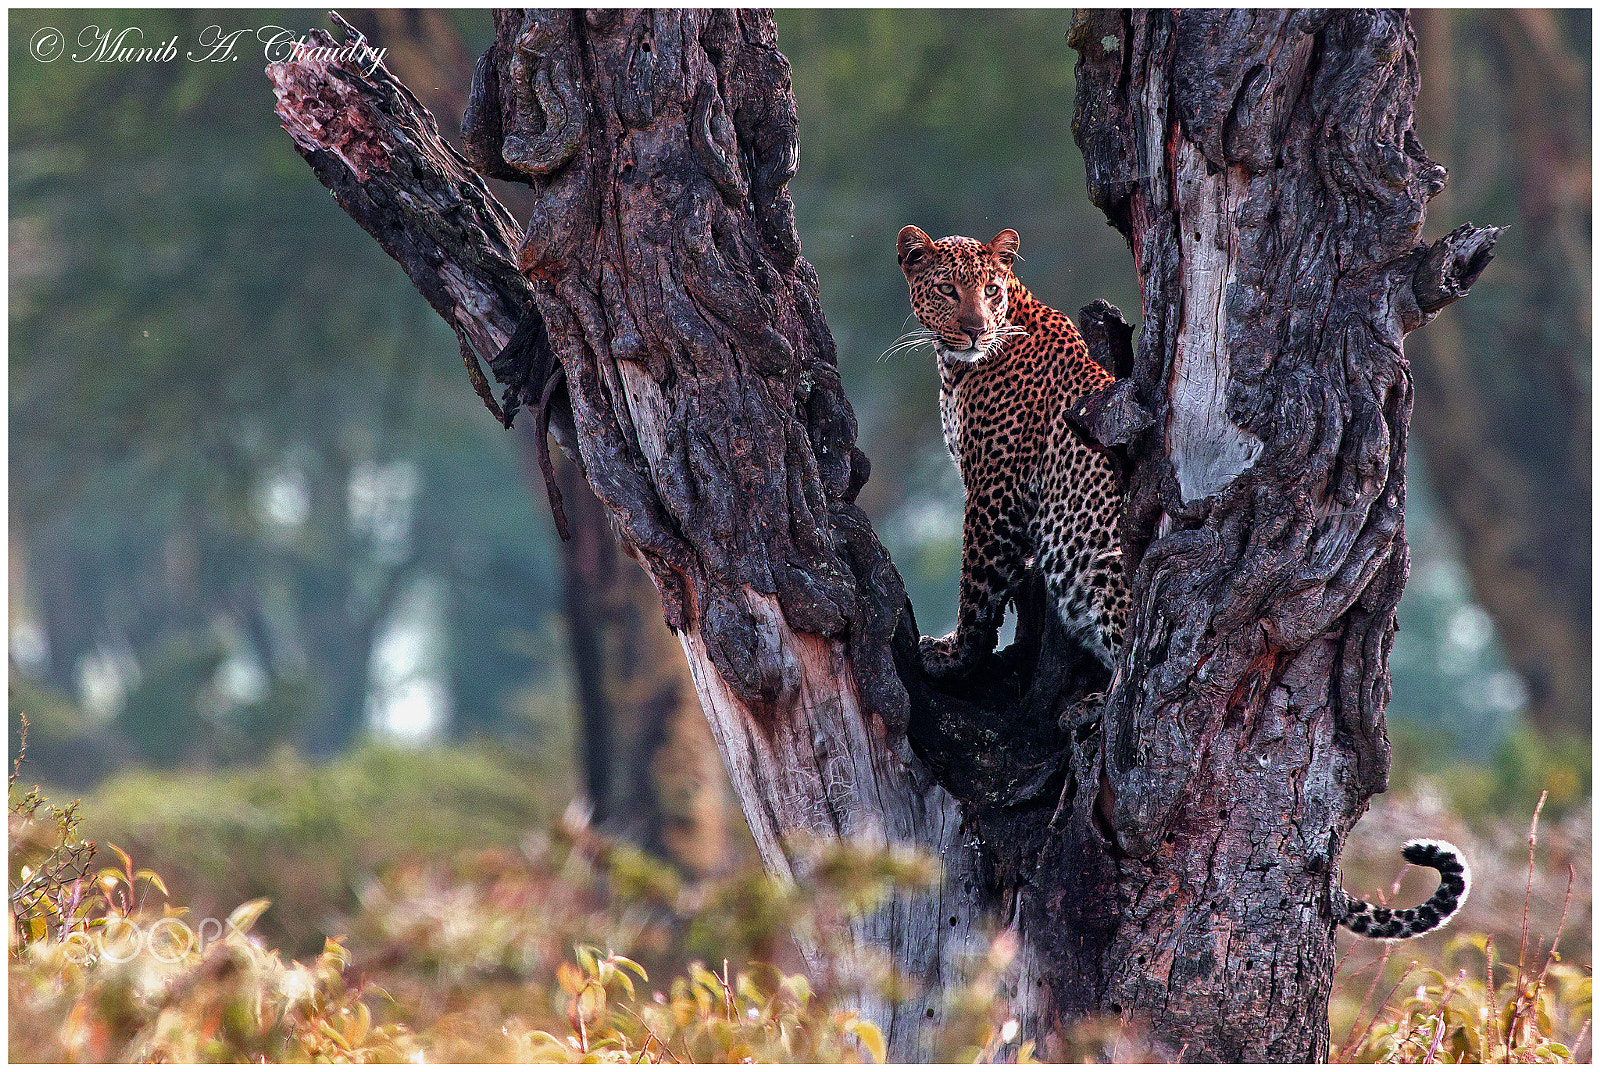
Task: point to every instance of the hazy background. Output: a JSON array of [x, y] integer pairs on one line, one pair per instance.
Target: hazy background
[[284, 605]]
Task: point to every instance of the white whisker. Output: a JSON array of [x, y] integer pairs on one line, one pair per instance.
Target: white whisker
[[911, 340]]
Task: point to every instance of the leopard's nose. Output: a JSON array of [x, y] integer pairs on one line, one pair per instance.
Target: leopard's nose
[[972, 326]]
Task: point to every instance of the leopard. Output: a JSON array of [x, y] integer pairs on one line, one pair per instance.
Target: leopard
[[1037, 493]]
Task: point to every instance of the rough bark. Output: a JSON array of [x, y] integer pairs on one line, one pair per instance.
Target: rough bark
[[1169, 858], [1264, 169], [709, 413], [718, 437]]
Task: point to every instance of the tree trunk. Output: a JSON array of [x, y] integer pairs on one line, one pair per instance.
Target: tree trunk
[[1264, 168], [708, 411], [1167, 859], [650, 767], [588, 564]]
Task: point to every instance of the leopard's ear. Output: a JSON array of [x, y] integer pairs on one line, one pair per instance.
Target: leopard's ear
[[1005, 246], [915, 247]]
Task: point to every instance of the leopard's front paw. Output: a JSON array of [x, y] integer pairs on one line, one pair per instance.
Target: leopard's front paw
[[943, 657]]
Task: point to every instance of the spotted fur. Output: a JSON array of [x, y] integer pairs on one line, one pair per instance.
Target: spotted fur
[[1036, 492], [1393, 924]]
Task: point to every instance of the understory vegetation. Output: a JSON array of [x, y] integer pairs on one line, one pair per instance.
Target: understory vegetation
[[432, 906]]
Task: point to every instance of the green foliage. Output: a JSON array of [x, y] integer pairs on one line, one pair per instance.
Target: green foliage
[[1561, 767], [209, 362], [308, 835], [1523, 766]]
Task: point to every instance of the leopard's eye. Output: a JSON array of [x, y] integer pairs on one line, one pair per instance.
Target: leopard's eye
[[946, 289], [991, 290]]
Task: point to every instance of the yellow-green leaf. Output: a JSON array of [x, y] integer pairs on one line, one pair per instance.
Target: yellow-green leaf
[[624, 962], [244, 917], [872, 1038]]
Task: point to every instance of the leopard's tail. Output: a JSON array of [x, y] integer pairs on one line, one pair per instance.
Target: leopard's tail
[[1391, 924]]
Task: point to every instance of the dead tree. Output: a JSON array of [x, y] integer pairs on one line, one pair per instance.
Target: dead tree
[[1167, 857]]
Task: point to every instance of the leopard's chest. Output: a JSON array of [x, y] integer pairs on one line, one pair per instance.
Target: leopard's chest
[[996, 416]]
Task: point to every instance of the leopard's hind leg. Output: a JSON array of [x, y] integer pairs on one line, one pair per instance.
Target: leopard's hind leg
[[1079, 552]]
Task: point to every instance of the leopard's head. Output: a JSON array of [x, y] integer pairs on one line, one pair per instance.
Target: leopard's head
[[959, 289]]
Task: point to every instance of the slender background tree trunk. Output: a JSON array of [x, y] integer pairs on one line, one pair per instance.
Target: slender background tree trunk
[[1513, 434], [1167, 859]]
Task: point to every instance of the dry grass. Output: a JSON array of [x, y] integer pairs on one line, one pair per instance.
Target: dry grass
[[508, 954], [1449, 997]]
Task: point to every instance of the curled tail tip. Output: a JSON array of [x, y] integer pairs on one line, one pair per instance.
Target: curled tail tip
[[1419, 850], [1444, 858], [1391, 925]]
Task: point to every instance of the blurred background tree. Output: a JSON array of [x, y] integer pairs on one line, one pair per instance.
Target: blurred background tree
[[254, 505], [1504, 390], [235, 502]]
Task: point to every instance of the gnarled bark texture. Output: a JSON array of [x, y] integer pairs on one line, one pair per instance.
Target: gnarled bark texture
[[1264, 169], [1170, 857]]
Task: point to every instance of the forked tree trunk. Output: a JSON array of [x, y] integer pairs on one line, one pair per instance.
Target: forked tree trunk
[[1168, 859]]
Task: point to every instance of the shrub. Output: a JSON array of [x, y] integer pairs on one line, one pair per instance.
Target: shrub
[[97, 974], [307, 836], [474, 953]]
